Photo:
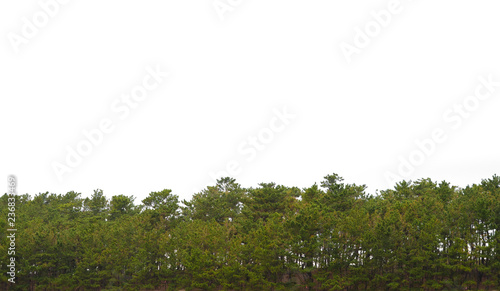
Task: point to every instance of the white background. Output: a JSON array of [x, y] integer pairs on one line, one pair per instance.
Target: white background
[[229, 75]]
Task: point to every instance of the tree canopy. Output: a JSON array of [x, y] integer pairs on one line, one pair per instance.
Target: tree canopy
[[419, 235]]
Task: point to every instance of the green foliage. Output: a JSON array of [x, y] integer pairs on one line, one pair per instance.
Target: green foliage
[[419, 235], [218, 203]]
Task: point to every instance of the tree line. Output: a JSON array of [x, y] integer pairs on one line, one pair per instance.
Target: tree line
[[420, 235]]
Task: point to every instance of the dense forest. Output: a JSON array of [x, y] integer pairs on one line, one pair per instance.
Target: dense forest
[[421, 235]]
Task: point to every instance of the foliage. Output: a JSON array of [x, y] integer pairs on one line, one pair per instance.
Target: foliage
[[420, 235]]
